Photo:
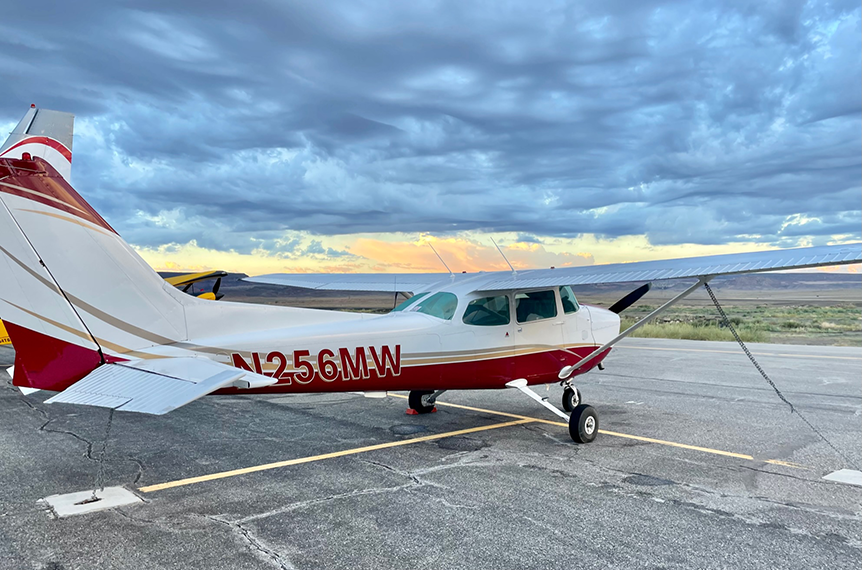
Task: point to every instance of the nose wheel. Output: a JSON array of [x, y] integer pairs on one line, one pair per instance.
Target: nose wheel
[[584, 424]]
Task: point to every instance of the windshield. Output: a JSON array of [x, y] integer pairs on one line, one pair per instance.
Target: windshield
[[404, 304], [570, 304], [440, 305]]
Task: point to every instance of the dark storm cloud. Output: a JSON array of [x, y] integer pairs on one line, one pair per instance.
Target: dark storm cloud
[[231, 123]]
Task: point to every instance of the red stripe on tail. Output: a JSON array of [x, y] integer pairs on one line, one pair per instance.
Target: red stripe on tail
[[56, 145], [48, 363], [38, 181]]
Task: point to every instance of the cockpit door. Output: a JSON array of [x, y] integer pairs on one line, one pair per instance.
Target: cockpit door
[[482, 343]]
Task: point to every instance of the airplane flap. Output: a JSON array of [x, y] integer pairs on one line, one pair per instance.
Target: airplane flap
[[156, 386]]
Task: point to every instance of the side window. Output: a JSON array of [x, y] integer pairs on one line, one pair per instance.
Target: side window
[[440, 305], [570, 304], [404, 304], [536, 305], [487, 312]]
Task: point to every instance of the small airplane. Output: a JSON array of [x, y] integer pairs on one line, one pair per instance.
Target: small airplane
[[91, 320]]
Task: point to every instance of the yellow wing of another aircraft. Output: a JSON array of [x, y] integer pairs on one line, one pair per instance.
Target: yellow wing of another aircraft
[[188, 279], [4, 336]]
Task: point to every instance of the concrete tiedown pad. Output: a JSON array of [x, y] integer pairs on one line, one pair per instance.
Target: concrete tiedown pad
[[848, 476], [79, 503]]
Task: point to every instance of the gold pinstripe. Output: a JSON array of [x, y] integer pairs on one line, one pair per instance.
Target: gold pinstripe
[[41, 195], [82, 223]]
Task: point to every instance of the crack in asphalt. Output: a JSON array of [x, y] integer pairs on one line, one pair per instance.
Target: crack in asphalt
[[237, 528], [88, 450], [329, 498]]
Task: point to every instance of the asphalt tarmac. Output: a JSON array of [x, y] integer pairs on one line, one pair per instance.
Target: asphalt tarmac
[[700, 465]]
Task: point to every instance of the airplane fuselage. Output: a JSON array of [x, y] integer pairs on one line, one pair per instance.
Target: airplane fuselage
[[412, 350]]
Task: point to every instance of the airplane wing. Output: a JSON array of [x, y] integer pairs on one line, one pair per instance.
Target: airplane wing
[[156, 386], [691, 267], [189, 278], [4, 336], [380, 282]]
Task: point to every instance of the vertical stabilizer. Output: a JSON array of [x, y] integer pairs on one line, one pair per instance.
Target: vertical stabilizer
[[73, 294], [44, 133]]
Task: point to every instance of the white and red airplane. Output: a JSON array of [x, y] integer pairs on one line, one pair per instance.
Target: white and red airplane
[[88, 318]]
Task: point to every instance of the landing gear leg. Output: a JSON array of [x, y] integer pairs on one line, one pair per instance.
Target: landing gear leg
[[422, 401], [571, 397], [583, 422]]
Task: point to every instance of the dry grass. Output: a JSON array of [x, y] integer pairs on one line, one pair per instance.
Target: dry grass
[[692, 331]]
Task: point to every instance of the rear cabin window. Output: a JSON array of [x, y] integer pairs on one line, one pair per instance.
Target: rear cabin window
[[487, 312], [570, 304], [404, 304], [535, 306], [440, 305]]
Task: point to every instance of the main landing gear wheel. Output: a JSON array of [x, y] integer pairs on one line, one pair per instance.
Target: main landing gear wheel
[[571, 398], [584, 424], [419, 401]]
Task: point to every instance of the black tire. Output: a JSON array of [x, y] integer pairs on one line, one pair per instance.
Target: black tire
[[584, 424], [571, 399], [417, 399]]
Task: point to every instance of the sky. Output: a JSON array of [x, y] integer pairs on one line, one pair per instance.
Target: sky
[[274, 136]]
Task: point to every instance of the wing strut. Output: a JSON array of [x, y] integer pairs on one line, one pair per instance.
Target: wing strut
[[567, 371]]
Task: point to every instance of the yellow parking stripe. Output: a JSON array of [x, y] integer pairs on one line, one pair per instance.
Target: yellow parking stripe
[[623, 435], [334, 454]]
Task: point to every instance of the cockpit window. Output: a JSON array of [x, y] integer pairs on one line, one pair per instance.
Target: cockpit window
[[487, 312], [440, 305], [570, 304], [403, 305], [535, 305]]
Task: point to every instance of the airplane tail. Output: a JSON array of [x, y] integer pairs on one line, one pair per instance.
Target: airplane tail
[[73, 294], [43, 133]]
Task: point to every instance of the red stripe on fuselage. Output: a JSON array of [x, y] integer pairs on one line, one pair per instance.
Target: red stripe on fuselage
[[56, 145], [538, 368], [36, 177]]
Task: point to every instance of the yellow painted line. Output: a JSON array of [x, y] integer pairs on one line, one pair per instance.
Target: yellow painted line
[[785, 463], [680, 445], [741, 353], [334, 454], [624, 435]]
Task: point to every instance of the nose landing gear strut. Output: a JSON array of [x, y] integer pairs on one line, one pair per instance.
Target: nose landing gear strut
[[583, 421]]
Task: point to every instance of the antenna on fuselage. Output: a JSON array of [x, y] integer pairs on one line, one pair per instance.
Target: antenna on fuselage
[[515, 273], [452, 275]]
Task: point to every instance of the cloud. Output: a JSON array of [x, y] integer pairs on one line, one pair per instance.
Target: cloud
[[237, 126]]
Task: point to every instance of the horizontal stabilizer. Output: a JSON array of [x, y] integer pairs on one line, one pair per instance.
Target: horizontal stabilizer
[[156, 386]]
